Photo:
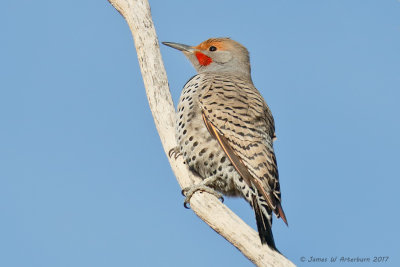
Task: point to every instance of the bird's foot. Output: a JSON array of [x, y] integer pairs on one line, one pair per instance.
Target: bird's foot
[[188, 192], [174, 152]]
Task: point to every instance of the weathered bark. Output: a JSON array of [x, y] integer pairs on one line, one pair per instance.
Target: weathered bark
[[207, 207]]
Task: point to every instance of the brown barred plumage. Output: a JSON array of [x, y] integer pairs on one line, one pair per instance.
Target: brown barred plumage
[[225, 130]]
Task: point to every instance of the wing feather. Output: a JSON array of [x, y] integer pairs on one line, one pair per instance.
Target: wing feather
[[240, 120]]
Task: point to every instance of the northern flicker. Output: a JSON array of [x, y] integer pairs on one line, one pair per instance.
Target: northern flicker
[[225, 131]]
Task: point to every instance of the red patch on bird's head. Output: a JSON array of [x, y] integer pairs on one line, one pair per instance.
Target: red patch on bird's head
[[203, 59]]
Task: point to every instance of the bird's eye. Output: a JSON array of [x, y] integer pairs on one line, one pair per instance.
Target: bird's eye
[[212, 48]]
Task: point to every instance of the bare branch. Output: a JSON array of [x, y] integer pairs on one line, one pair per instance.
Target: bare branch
[[207, 207]]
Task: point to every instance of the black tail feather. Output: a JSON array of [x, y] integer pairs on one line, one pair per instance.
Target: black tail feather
[[263, 226]]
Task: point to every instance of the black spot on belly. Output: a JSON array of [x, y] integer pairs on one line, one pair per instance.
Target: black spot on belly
[[202, 151]]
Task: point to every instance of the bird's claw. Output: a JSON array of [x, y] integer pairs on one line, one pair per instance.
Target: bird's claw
[[174, 152], [183, 191], [185, 204], [188, 192]]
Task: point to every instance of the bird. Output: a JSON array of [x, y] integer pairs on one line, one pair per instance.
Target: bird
[[225, 131]]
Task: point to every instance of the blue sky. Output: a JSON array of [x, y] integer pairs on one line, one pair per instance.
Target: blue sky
[[83, 177]]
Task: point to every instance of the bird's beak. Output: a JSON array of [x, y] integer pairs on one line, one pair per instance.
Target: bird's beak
[[181, 47]]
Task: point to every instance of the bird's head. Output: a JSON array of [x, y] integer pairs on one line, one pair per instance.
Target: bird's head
[[217, 55]]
